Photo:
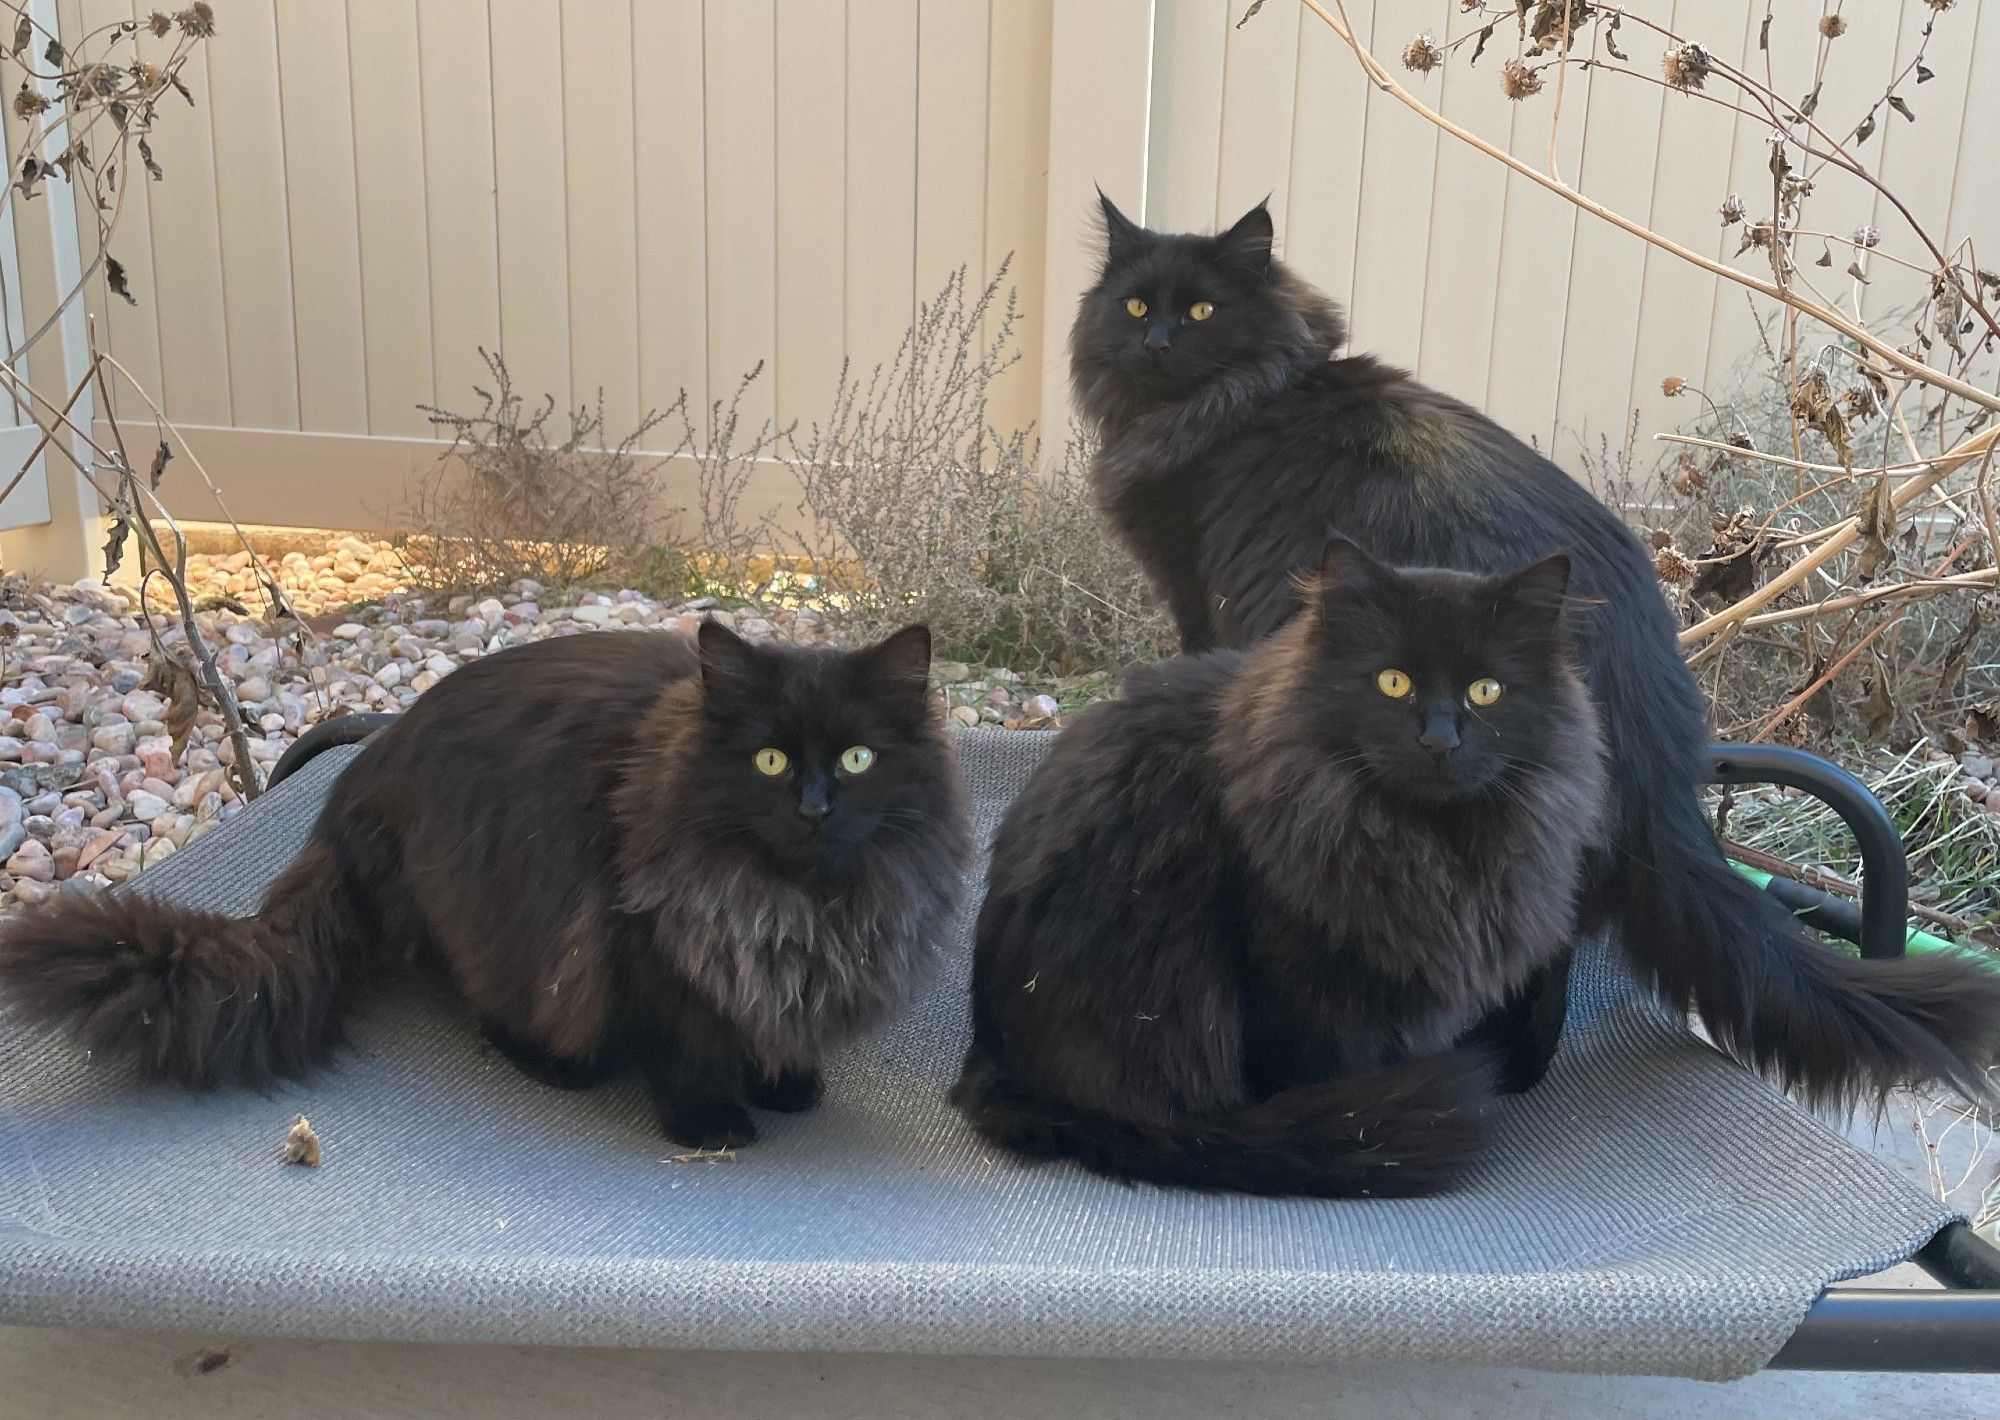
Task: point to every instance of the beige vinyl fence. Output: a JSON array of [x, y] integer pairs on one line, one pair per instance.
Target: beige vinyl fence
[[645, 196]]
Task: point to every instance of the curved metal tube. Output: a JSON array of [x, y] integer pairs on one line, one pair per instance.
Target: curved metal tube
[[1885, 884]]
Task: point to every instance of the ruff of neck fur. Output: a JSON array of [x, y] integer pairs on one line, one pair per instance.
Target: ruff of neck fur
[[1137, 433], [797, 966], [1300, 809]]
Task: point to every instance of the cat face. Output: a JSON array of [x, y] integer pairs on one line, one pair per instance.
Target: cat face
[[814, 755], [1434, 684], [1170, 312]]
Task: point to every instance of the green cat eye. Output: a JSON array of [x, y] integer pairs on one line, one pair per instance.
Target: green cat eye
[[1201, 310], [1134, 307], [1483, 691], [857, 759], [772, 762]]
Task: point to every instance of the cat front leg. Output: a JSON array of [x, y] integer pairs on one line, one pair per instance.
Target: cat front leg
[[562, 1072], [1525, 1031], [692, 1062], [790, 1091]]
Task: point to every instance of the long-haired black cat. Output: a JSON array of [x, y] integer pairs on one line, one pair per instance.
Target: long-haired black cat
[[1241, 915], [708, 863], [1234, 440]]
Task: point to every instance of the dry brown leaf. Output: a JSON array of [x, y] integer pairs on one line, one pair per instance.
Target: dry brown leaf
[[1952, 669], [1878, 526], [1982, 722], [169, 678], [302, 1144], [1878, 707], [1814, 403]]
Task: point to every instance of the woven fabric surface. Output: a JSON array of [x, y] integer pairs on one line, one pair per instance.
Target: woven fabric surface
[[1650, 1208]]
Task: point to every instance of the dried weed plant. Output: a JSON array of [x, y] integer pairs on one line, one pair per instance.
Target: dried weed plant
[[509, 499], [513, 499], [911, 505], [920, 509], [1837, 511], [84, 113]]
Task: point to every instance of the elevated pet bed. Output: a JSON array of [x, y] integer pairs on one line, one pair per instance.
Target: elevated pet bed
[[1650, 1208]]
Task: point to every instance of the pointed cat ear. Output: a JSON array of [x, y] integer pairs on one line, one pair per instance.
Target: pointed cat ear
[[1346, 571], [1537, 592], [727, 660], [1123, 237], [1248, 243], [901, 664]]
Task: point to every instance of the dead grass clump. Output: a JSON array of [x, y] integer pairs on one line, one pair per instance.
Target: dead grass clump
[[922, 509], [510, 499]]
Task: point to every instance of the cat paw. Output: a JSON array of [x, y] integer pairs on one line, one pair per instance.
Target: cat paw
[[708, 1126], [791, 1092], [560, 1072]]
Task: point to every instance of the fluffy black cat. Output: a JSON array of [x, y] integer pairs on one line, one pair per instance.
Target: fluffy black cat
[[708, 862], [1233, 441], [1241, 915]]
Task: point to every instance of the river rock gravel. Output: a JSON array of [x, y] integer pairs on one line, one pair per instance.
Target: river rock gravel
[[94, 785]]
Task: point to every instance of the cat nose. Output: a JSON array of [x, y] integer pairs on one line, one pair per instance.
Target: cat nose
[[1439, 736], [815, 799], [1158, 336]]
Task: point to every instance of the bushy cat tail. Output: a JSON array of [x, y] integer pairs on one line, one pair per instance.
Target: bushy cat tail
[[1405, 1131], [194, 998], [1835, 1028]]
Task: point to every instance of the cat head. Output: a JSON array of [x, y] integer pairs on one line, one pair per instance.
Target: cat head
[[814, 756], [1437, 686], [1172, 312]]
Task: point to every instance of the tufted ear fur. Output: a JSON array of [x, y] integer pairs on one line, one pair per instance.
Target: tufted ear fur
[[1536, 593], [1248, 243], [1123, 238], [902, 661], [1346, 571], [728, 662]]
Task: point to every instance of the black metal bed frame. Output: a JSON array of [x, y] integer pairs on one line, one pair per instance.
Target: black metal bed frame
[[1873, 1328], [1956, 1329]]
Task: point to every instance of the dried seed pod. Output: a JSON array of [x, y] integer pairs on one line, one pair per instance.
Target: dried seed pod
[[1519, 80], [1686, 66], [1423, 54], [1673, 566]]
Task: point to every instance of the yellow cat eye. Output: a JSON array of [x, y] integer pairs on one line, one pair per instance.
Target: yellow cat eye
[[1201, 310], [857, 759], [1393, 684], [772, 762], [1134, 307], [1483, 691]]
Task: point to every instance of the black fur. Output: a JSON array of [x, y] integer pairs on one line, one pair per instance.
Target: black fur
[[1240, 916], [577, 829], [1226, 461]]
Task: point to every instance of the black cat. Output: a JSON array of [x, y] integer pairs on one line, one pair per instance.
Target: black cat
[[1233, 441], [1240, 916], [706, 863]]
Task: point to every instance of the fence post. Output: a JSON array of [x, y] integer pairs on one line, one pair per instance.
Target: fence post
[[66, 546]]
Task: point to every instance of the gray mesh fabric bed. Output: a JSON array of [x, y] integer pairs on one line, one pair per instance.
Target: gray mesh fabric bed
[[1650, 1208]]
